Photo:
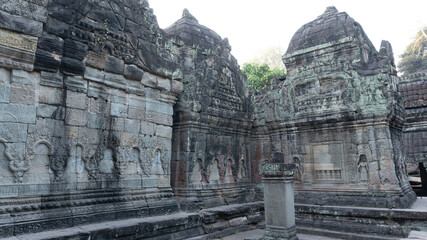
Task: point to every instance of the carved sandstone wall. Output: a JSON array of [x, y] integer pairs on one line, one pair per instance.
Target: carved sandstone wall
[[337, 116], [210, 149], [86, 104]]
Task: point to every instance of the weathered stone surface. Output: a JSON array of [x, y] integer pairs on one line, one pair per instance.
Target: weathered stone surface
[[51, 79], [72, 66], [75, 117], [75, 49], [114, 65], [18, 113], [13, 132], [76, 100], [4, 76], [23, 77], [20, 24], [46, 111], [51, 43], [46, 61], [132, 126], [133, 72], [4, 93], [50, 95], [22, 94]]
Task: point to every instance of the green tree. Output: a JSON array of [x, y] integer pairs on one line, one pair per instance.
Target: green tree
[[260, 75], [414, 59]]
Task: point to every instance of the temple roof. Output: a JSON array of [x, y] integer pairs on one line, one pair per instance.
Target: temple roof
[[328, 27]]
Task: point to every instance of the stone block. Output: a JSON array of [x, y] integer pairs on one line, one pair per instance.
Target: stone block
[[115, 81], [163, 84], [128, 139], [157, 117], [149, 182], [136, 102], [148, 128], [119, 99], [160, 107], [21, 24], [133, 72], [49, 95], [114, 65], [73, 132], [117, 124], [23, 77], [177, 86], [149, 80], [46, 111], [35, 10], [76, 84], [4, 93], [98, 105], [46, 61], [23, 94], [76, 117], [96, 121], [163, 131], [135, 113], [75, 49], [94, 74], [163, 181], [51, 79], [76, 100], [13, 132], [96, 60], [18, 113], [72, 66], [5, 75], [51, 43], [118, 110], [132, 126]]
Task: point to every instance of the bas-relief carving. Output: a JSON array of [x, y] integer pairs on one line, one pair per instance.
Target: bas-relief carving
[[106, 164], [19, 41], [243, 171], [157, 163], [214, 172], [197, 172], [362, 169], [229, 169]]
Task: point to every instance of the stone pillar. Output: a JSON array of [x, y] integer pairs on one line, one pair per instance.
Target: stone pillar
[[279, 201]]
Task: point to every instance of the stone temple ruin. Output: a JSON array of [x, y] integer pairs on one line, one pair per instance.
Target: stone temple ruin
[[108, 121]]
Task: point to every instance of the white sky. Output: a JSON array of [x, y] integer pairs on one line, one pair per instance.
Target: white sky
[[253, 25]]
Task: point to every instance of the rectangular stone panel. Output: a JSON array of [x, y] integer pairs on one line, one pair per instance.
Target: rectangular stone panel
[[13, 132], [23, 94], [19, 41], [17, 113], [327, 159]]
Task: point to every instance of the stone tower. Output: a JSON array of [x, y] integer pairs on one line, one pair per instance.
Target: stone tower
[[337, 116], [210, 138]]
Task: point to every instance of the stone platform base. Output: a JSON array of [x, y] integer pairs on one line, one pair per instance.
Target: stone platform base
[[212, 223], [347, 222], [392, 199]]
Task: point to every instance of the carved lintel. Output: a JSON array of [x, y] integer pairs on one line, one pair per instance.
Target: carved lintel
[[277, 170], [17, 40]]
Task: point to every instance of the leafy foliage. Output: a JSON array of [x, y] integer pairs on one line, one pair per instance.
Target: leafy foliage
[[414, 59], [260, 75]]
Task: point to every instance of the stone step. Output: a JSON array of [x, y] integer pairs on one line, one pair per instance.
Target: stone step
[[343, 235], [417, 235]]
